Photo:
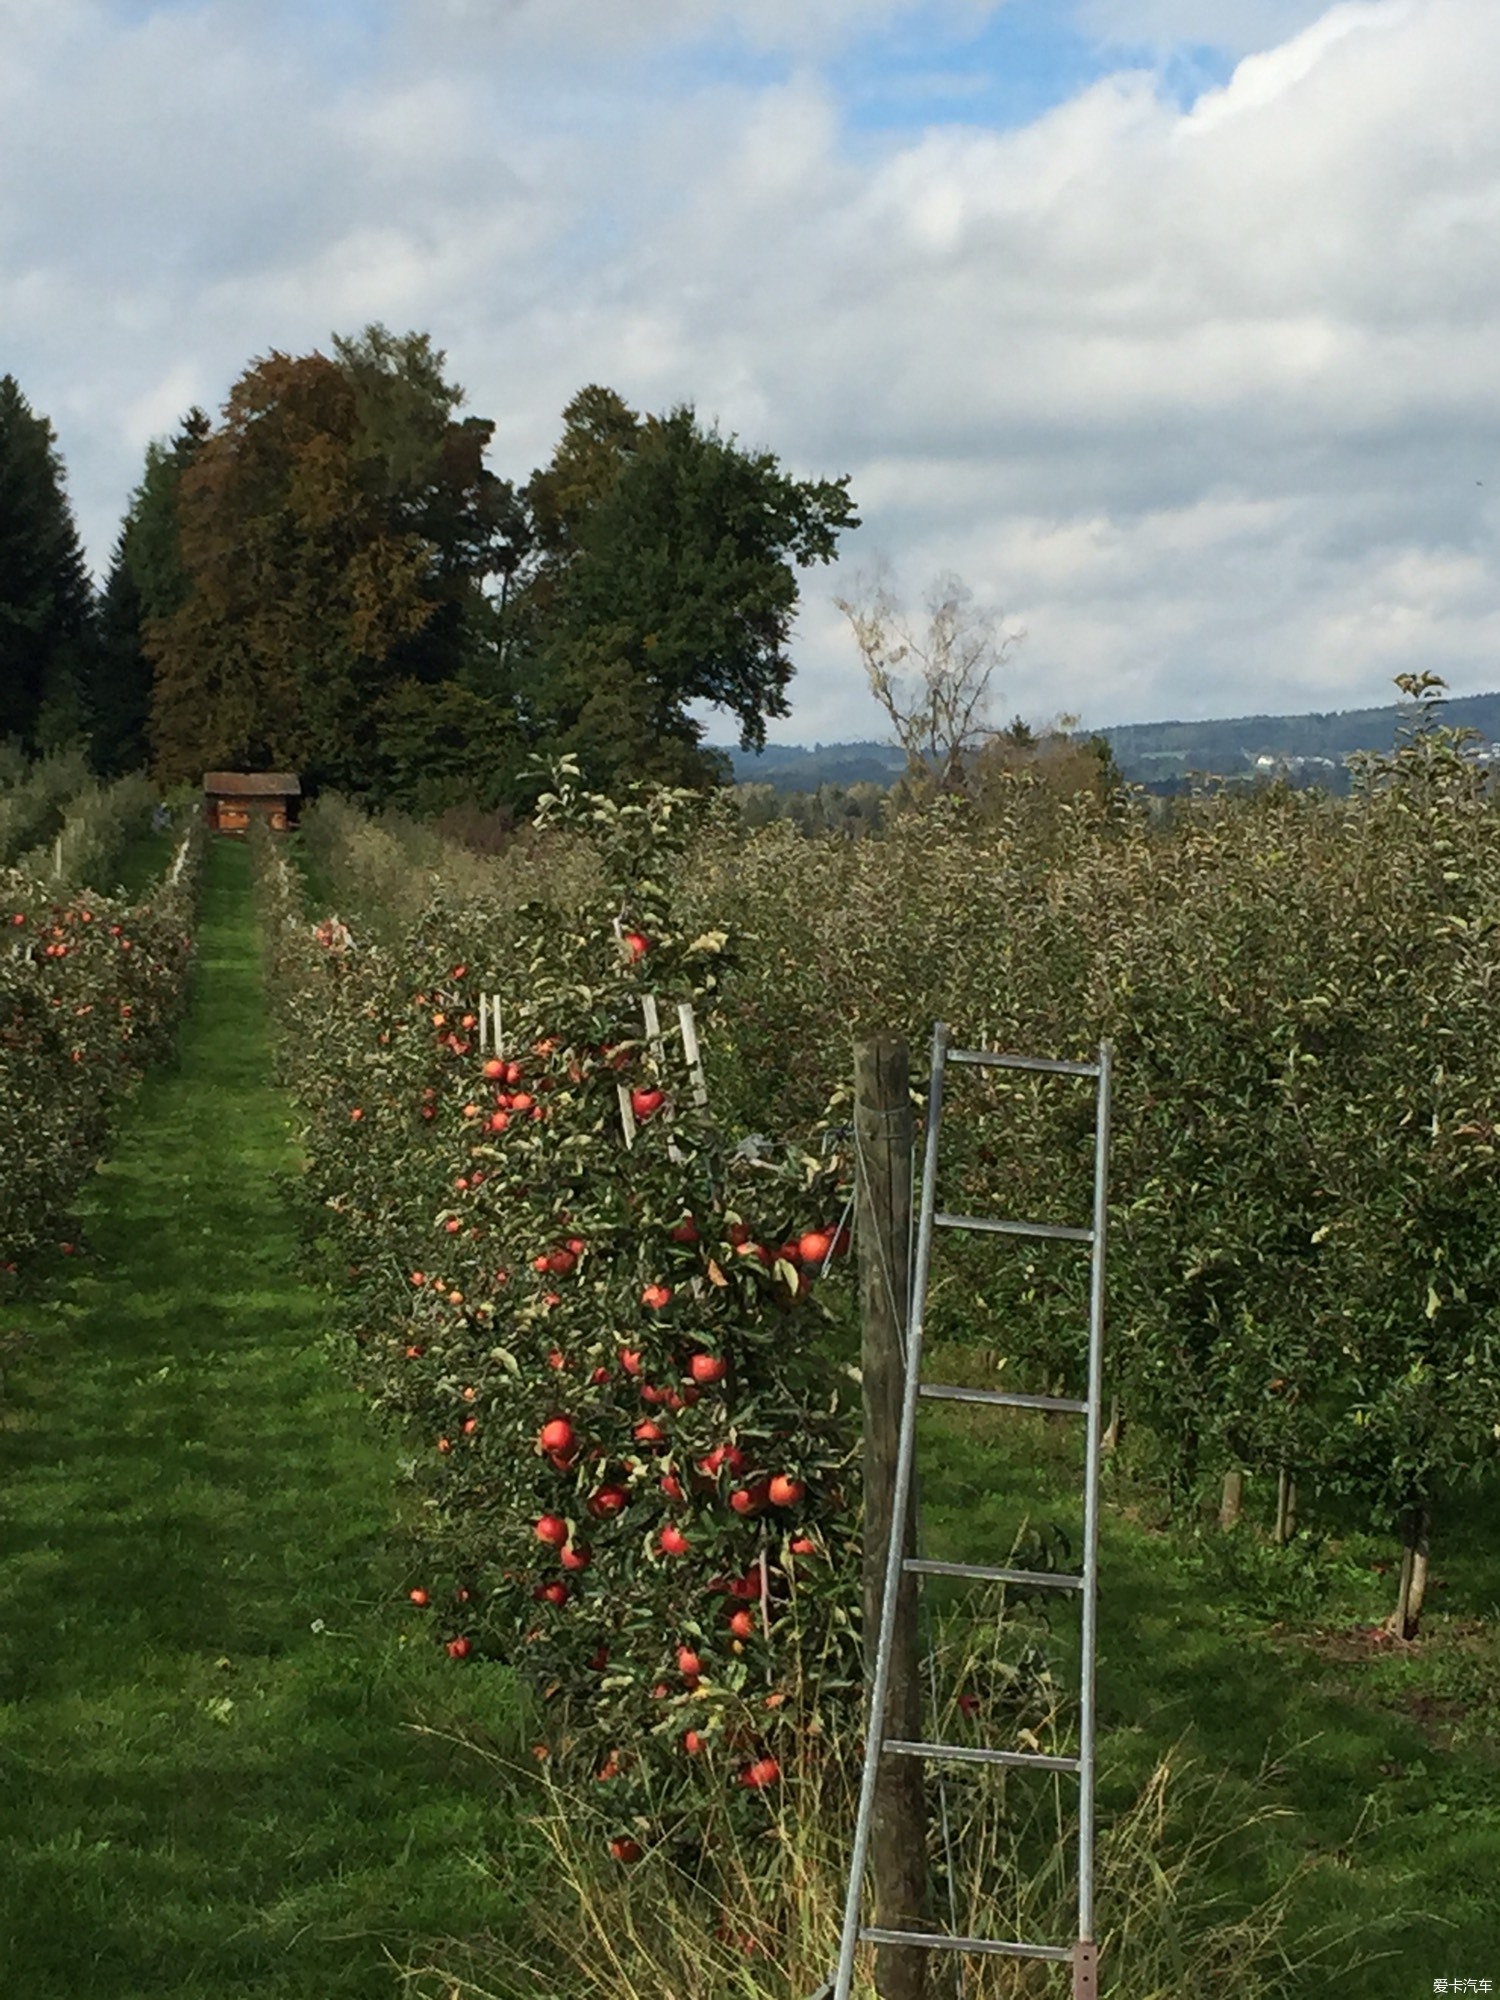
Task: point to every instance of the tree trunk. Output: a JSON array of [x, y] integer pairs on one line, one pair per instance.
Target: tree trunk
[[1416, 1532], [1232, 1504], [884, 1139], [1286, 1506]]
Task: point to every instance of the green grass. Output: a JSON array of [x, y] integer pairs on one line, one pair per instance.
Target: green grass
[[145, 858], [317, 888], [215, 1772], [1385, 1760]]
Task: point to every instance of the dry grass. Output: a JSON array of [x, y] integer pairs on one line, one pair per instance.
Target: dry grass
[[757, 1914]]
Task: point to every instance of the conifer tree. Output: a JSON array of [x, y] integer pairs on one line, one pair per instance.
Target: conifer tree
[[146, 581], [46, 600]]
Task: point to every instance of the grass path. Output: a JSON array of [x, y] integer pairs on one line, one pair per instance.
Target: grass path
[[209, 1782]]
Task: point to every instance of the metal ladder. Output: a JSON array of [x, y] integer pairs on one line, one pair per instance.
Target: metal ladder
[[1082, 1953]]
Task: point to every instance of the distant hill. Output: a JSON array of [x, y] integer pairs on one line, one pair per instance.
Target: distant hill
[[1312, 748], [789, 768]]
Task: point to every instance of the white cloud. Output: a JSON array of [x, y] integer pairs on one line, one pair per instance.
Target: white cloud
[[1261, 79], [1201, 397]]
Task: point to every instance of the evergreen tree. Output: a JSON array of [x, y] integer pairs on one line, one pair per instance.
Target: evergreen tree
[[146, 580], [46, 600]]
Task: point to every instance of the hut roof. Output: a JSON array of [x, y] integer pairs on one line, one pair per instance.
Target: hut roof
[[253, 784]]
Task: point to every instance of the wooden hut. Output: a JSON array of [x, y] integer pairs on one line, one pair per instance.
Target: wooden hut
[[231, 798]]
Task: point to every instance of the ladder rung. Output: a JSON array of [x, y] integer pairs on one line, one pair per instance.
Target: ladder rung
[[1056, 1230], [1010, 1398], [1034, 1579], [968, 1753], [1044, 1063], [1060, 1954]]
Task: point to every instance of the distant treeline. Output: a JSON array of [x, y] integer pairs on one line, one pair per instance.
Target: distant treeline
[[1165, 756]]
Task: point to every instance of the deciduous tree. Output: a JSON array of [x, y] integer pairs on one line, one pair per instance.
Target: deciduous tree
[[937, 686], [336, 528], [669, 578]]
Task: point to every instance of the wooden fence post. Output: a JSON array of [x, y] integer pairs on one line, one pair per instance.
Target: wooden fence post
[[884, 1140]]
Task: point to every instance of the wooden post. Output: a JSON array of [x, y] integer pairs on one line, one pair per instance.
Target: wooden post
[[1286, 1506], [884, 1141]]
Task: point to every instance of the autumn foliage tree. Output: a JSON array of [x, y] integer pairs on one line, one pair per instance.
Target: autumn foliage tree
[[334, 529]]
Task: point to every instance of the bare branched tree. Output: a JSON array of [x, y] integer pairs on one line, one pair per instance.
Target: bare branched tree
[[936, 688]]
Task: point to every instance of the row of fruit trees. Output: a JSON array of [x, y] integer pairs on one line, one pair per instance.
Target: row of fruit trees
[[600, 1318], [92, 989]]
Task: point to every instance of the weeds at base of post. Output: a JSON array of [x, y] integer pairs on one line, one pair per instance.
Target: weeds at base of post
[[760, 1918]]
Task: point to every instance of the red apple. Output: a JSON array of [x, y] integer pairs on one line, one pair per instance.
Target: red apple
[[708, 1368], [688, 1662], [673, 1541], [557, 1435], [419, 1597], [459, 1648], [728, 1455], [553, 1530], [786, 1491]]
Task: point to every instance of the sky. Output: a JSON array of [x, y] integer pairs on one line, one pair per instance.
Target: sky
[[1170, 327]]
